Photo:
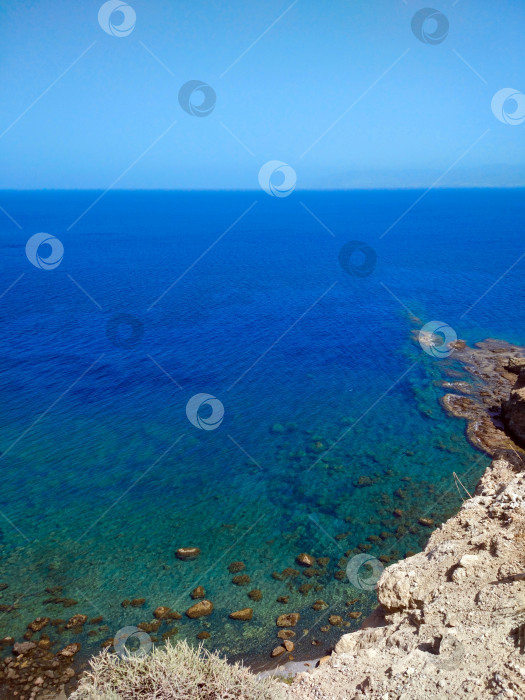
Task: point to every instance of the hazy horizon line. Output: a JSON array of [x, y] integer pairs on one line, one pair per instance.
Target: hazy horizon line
[[257, 190]]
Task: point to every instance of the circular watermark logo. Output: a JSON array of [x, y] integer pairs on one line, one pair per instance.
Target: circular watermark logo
[[430, 26], [124, 330], [357, 258], [364, 571], [277, 179], [132, 641], [189, 95], [211, 405], [508, 105], [34, 251], [109, 15], [437, 338]]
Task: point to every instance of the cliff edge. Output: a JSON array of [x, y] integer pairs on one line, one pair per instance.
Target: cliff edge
[[451, 620], [514, 408]]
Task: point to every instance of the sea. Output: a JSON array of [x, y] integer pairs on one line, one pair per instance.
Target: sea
[[238, 373]]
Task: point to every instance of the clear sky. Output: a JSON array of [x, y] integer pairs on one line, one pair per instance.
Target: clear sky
[[417, 107]]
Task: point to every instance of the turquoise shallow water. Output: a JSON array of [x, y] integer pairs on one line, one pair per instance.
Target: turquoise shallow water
[[332, 417]]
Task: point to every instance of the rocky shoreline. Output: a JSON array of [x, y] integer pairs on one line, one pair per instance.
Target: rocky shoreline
[[493, 367], [451, 619]]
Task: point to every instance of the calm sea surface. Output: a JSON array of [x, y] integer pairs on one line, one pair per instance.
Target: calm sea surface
[[331, 411]]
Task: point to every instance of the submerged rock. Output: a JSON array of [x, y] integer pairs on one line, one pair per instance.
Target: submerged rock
[[278, 651], [149, 627], [198, 592], [162, 612], [288, 620], [335, 620], [76, 621], [241, 580], [38, 624], [70, 650], [256, 594], [286, 634], [201, 609], [305, 559], [187, 553], [244, 614], [236, 566]]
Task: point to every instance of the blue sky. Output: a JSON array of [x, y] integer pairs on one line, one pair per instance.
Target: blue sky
[[418, 107]]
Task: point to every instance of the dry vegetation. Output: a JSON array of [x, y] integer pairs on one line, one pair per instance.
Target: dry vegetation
[[177, 672]]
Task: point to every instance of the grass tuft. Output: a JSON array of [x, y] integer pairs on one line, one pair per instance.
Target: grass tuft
[[173, 672]]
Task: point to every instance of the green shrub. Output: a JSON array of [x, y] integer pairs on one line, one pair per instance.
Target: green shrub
[[173, 672]]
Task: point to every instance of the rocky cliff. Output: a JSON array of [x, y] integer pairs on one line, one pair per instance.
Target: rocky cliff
[[451, 620], [514, 408]]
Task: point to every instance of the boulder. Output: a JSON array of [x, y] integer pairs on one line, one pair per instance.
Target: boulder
[[187, 553], [278, 651], [427, 522], [393, 588], [198, 592], [286, 634], [70, 650], [288, 620], [200, 609], [244, 614], [516, 364], [162, 612], [305, 559], [38, 624], [76, 621]]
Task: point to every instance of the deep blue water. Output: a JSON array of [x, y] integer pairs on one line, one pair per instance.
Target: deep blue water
[[96, 497]]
